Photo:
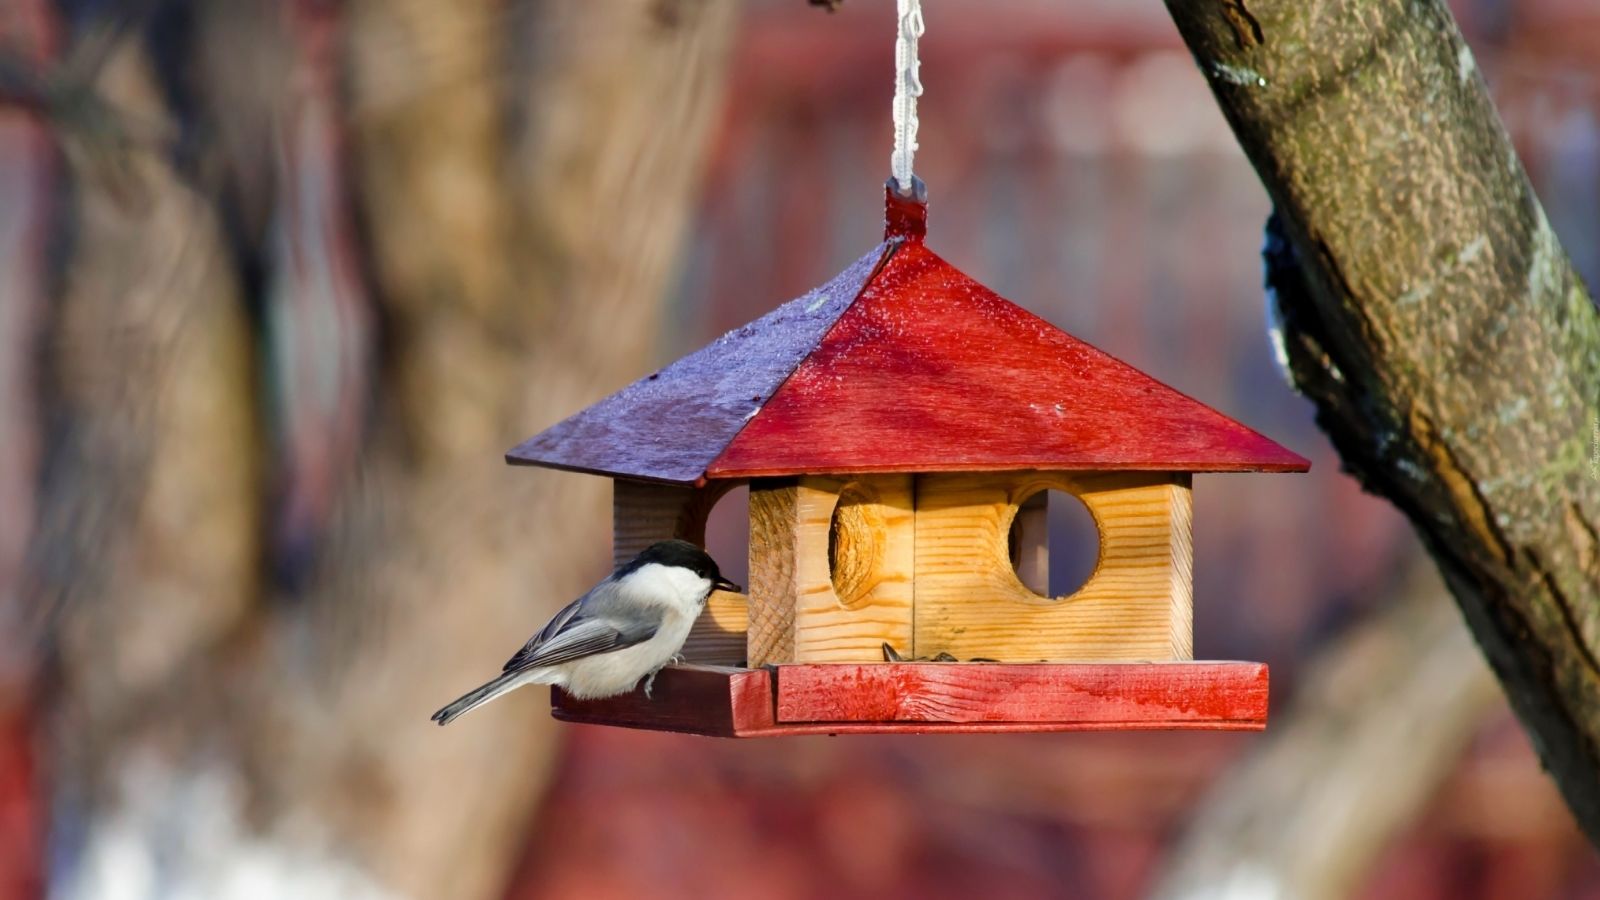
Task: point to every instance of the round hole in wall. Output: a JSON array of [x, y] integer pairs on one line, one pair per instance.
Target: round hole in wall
[[855, 544], [728, 535], [1054, 544]]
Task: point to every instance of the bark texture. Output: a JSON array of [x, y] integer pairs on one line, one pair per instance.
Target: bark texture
[[1430, 313]]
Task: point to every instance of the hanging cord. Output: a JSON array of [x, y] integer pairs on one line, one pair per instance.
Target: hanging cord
[[907, 88]]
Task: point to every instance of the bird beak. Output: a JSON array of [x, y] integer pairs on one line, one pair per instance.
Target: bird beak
[[723, 584]]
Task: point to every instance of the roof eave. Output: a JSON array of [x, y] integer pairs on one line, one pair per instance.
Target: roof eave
[[1298, 465], [1265, 467], [531, 462]]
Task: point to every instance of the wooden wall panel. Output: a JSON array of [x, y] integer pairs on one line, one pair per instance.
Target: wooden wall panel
[[774, 527], [1135, 606], [646, 512], [1180, 499], [848, 614], [797, 611], [643, 513]]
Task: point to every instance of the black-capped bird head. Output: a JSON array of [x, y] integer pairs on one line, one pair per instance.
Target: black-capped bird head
[[679, 555]]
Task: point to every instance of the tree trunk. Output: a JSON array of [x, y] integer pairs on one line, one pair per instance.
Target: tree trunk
[[242, 704], [1430, 313]]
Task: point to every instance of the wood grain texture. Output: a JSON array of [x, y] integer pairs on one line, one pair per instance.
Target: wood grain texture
[[1180, 560], [718, 636], [1135, 605], [737, 702], [670, 425], [855, 546], [710, 700], [773, 587], [1207, 693], [929, 371], [646, 512]]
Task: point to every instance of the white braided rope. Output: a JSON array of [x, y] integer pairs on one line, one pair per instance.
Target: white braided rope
[[907, 88]]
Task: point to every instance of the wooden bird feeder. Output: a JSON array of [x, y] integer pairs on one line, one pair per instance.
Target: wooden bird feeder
[[893, 426]]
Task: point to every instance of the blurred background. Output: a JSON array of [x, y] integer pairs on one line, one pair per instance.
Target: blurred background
[[281, 281]]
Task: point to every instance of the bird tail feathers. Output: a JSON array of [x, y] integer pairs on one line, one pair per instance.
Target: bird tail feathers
[[477, 697]]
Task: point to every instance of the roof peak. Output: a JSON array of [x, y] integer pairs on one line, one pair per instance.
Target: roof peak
[[901, 363], [905, 216]]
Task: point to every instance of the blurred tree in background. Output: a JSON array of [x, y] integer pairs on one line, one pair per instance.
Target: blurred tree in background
[[311, 268], [281, 281]]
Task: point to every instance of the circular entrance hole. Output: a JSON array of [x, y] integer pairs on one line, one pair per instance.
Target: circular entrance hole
[[1054, 544], [728, 535]]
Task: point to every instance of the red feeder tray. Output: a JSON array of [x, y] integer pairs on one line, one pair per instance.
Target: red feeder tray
[[932, 698]]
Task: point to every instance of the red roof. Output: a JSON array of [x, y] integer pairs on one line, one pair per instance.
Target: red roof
[[901, 363]]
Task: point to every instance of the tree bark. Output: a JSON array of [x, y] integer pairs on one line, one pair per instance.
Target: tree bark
[[221, 729], [1431, 315]]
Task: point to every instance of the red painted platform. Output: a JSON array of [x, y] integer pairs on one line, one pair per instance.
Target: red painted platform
[[929, 698]]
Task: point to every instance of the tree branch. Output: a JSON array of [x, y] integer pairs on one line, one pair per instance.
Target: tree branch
[[1432, 316]]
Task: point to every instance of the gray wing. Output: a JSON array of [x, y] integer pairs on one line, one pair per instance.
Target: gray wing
[[586, 626]]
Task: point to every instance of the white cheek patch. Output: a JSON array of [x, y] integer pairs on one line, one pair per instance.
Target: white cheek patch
[[668, 585]]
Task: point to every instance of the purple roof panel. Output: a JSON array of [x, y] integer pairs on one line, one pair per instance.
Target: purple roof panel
[[670, 426]]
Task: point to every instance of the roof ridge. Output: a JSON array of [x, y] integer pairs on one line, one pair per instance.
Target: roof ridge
[[885, 251], [929, 370], [656, 428]]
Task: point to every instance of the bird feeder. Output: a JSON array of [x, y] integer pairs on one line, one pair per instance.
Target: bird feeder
[[895, 427]]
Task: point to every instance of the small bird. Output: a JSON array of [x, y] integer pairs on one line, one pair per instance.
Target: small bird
[[625, 628]]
